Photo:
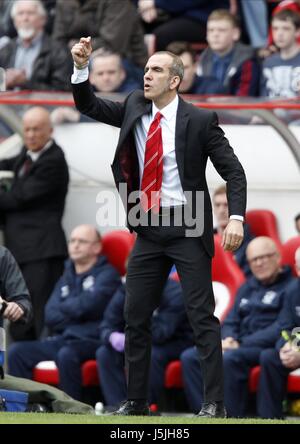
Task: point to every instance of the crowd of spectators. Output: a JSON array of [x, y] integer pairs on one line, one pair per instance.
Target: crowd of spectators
[[224, 44]]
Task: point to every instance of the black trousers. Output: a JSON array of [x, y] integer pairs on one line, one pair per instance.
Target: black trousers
[[40, 277], [155, 251]]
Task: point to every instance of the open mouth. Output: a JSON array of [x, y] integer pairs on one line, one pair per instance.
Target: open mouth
[[146, 87]]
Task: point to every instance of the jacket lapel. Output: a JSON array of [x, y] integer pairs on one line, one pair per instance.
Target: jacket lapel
[[182, 119]]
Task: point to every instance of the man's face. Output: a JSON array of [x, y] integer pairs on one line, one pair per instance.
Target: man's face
[[264, 261], [189, 72], [284, 33], [221, 210], [221, 35], [157, 77], [83, 245], [107, 73], [37, 132], [27, 19]]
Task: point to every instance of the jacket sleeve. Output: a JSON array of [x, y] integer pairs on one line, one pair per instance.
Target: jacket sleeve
[[47, 179], [113, 318], [231, 325], [14, 285], [179, 6], [8, 164], [54, 74], [55, 319], [90, 304], [246, 80], [169, 315], [264, 338], [105, 111], [227, 165]]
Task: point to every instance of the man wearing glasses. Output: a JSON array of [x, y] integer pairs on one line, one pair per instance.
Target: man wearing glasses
[[72, 314], [251, 326]]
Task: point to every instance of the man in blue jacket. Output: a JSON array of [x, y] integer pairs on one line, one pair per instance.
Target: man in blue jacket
[[251, 326], [72, 313], [277, 363], [171, 334]]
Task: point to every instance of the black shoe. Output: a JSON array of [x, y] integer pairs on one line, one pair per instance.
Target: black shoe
[[213, 410], [133, 408]]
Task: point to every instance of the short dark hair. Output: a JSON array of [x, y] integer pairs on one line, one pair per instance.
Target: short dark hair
[[179, 48], [177, 68], [297, 217], [287, 15]]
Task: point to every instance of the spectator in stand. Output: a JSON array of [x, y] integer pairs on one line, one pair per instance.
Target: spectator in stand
[[220, 207], [293, 5], [280, 71], [233, 64], [185, 20], [111, 24], [72, 313], [277, 363], [191, 83], [171, 334], [297, 223], [251, 326], [107, 75], [32, 210], [255, 19], [32, 60]]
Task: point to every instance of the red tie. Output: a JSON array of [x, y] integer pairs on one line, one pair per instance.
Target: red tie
[[153, 167]]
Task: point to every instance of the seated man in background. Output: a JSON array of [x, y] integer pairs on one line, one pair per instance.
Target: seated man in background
[[277, 363], [226, 60], [171, 334], [251, 326], [32, 60], [32, 210], [72, 314], [191, 82], [220, 207]]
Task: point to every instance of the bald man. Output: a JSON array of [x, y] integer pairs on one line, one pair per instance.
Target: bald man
[[32, 210], [251, 326], [72, 313]]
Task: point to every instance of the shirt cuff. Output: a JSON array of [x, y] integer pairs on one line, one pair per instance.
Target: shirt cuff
[[236, 217], [80, 75]]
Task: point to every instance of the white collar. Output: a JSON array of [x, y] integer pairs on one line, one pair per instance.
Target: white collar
[[168, 111], [35, 155]]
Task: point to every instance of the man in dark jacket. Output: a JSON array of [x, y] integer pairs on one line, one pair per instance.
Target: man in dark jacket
[[171, 334], [276, 363], [32, 60], [72, 314], [15, 304], [251, 326], [33, 210], [226, 60]]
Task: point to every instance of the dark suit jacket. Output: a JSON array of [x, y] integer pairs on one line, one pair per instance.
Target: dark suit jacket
[[34, 206], [197, 137], [51, 69]]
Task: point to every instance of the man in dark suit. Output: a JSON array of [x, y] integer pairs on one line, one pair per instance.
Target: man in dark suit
[[161, 156], [32, 210]]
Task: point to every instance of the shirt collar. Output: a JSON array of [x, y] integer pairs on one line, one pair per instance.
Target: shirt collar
[[36, 155], [168, 111]]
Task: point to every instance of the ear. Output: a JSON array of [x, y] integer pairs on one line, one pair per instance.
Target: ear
[[98, 248], [175, 81]]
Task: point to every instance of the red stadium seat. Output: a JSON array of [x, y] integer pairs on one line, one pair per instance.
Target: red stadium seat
[[263, 223], [293, 385], [117, 246], [288, 251], [47, 373]]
